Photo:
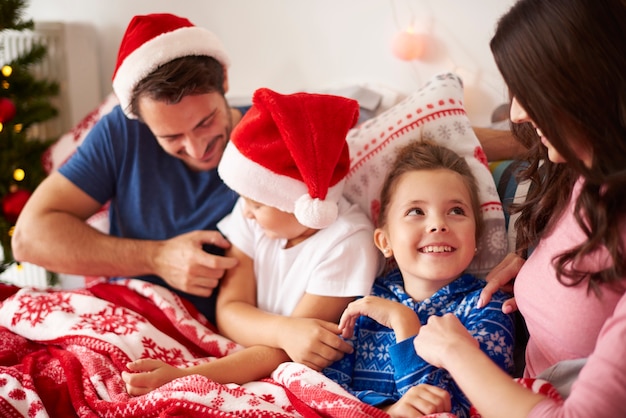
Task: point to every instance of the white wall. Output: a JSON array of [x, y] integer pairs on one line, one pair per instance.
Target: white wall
[[314, 45]]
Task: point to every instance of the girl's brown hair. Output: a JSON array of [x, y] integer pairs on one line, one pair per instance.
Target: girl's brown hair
[[425, 155]]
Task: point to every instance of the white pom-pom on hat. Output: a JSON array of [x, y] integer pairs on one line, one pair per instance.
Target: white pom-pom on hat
[[315, 213]]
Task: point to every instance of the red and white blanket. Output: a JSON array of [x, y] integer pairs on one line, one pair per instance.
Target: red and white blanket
[[62, 354]]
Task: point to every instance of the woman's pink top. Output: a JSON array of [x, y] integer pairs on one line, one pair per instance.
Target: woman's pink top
[[569, 323]]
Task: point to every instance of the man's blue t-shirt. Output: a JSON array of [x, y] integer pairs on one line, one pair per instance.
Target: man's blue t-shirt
[[153, 195]]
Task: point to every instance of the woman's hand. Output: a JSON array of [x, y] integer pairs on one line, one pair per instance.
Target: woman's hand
[[499, 278], [149, 374], [390, 314], [420, 400], [439, 336]]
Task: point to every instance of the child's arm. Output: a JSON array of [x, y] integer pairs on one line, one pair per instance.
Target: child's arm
[[249, 364], [419, 387], [310, 336], [421, 399], [390, 314]]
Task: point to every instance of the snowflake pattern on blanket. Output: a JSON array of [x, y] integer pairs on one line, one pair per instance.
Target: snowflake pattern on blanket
[[62, 354]]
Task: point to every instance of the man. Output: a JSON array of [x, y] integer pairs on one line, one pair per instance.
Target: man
[[154, 158]]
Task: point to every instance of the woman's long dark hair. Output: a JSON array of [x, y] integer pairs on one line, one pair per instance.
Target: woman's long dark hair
[[565, 64]]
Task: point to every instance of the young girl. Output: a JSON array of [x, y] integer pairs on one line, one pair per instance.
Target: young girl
[[429, 222], [563, 62], [304, 252]]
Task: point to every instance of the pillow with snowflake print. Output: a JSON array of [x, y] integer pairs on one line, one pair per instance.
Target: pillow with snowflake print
[[435, 112]]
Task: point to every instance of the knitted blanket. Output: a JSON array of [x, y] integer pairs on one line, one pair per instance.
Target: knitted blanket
[[62, 354]]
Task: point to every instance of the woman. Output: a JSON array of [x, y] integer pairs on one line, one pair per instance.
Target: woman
[[564, 64]]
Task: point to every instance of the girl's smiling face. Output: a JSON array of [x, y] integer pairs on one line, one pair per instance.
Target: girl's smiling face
[[430, 229]]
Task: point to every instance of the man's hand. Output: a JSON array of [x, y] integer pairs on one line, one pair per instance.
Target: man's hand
[[421, 400], [148, 375], [184, 265]]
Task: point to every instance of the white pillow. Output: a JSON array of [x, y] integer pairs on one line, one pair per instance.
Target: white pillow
[[434, 112]]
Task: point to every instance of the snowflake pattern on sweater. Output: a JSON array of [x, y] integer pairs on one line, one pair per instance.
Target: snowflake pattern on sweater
[[380, 370]]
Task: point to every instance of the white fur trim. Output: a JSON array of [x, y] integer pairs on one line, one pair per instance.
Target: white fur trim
[[162, 49], [256, 182], [315, 213]]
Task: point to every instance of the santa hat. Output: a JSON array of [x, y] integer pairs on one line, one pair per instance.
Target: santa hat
[[290, 152], [156, 39]]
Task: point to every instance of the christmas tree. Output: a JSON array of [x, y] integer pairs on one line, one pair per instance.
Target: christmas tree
[[24, 102]]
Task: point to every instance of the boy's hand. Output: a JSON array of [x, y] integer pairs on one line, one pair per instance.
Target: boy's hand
[[313, 342], [148, 375]]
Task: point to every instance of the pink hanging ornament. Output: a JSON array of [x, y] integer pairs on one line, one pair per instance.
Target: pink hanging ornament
[[408, 46]]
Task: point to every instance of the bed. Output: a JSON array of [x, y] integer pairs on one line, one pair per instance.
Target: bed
[[62, 351]]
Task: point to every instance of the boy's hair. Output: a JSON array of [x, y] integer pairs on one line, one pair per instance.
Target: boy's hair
[[425, 155], [181, 77]]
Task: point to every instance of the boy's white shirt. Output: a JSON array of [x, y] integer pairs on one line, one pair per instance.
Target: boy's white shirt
[[340, 260]]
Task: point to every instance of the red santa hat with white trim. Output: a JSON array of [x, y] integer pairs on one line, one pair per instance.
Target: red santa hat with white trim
[[156, 39], [290, 152]]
